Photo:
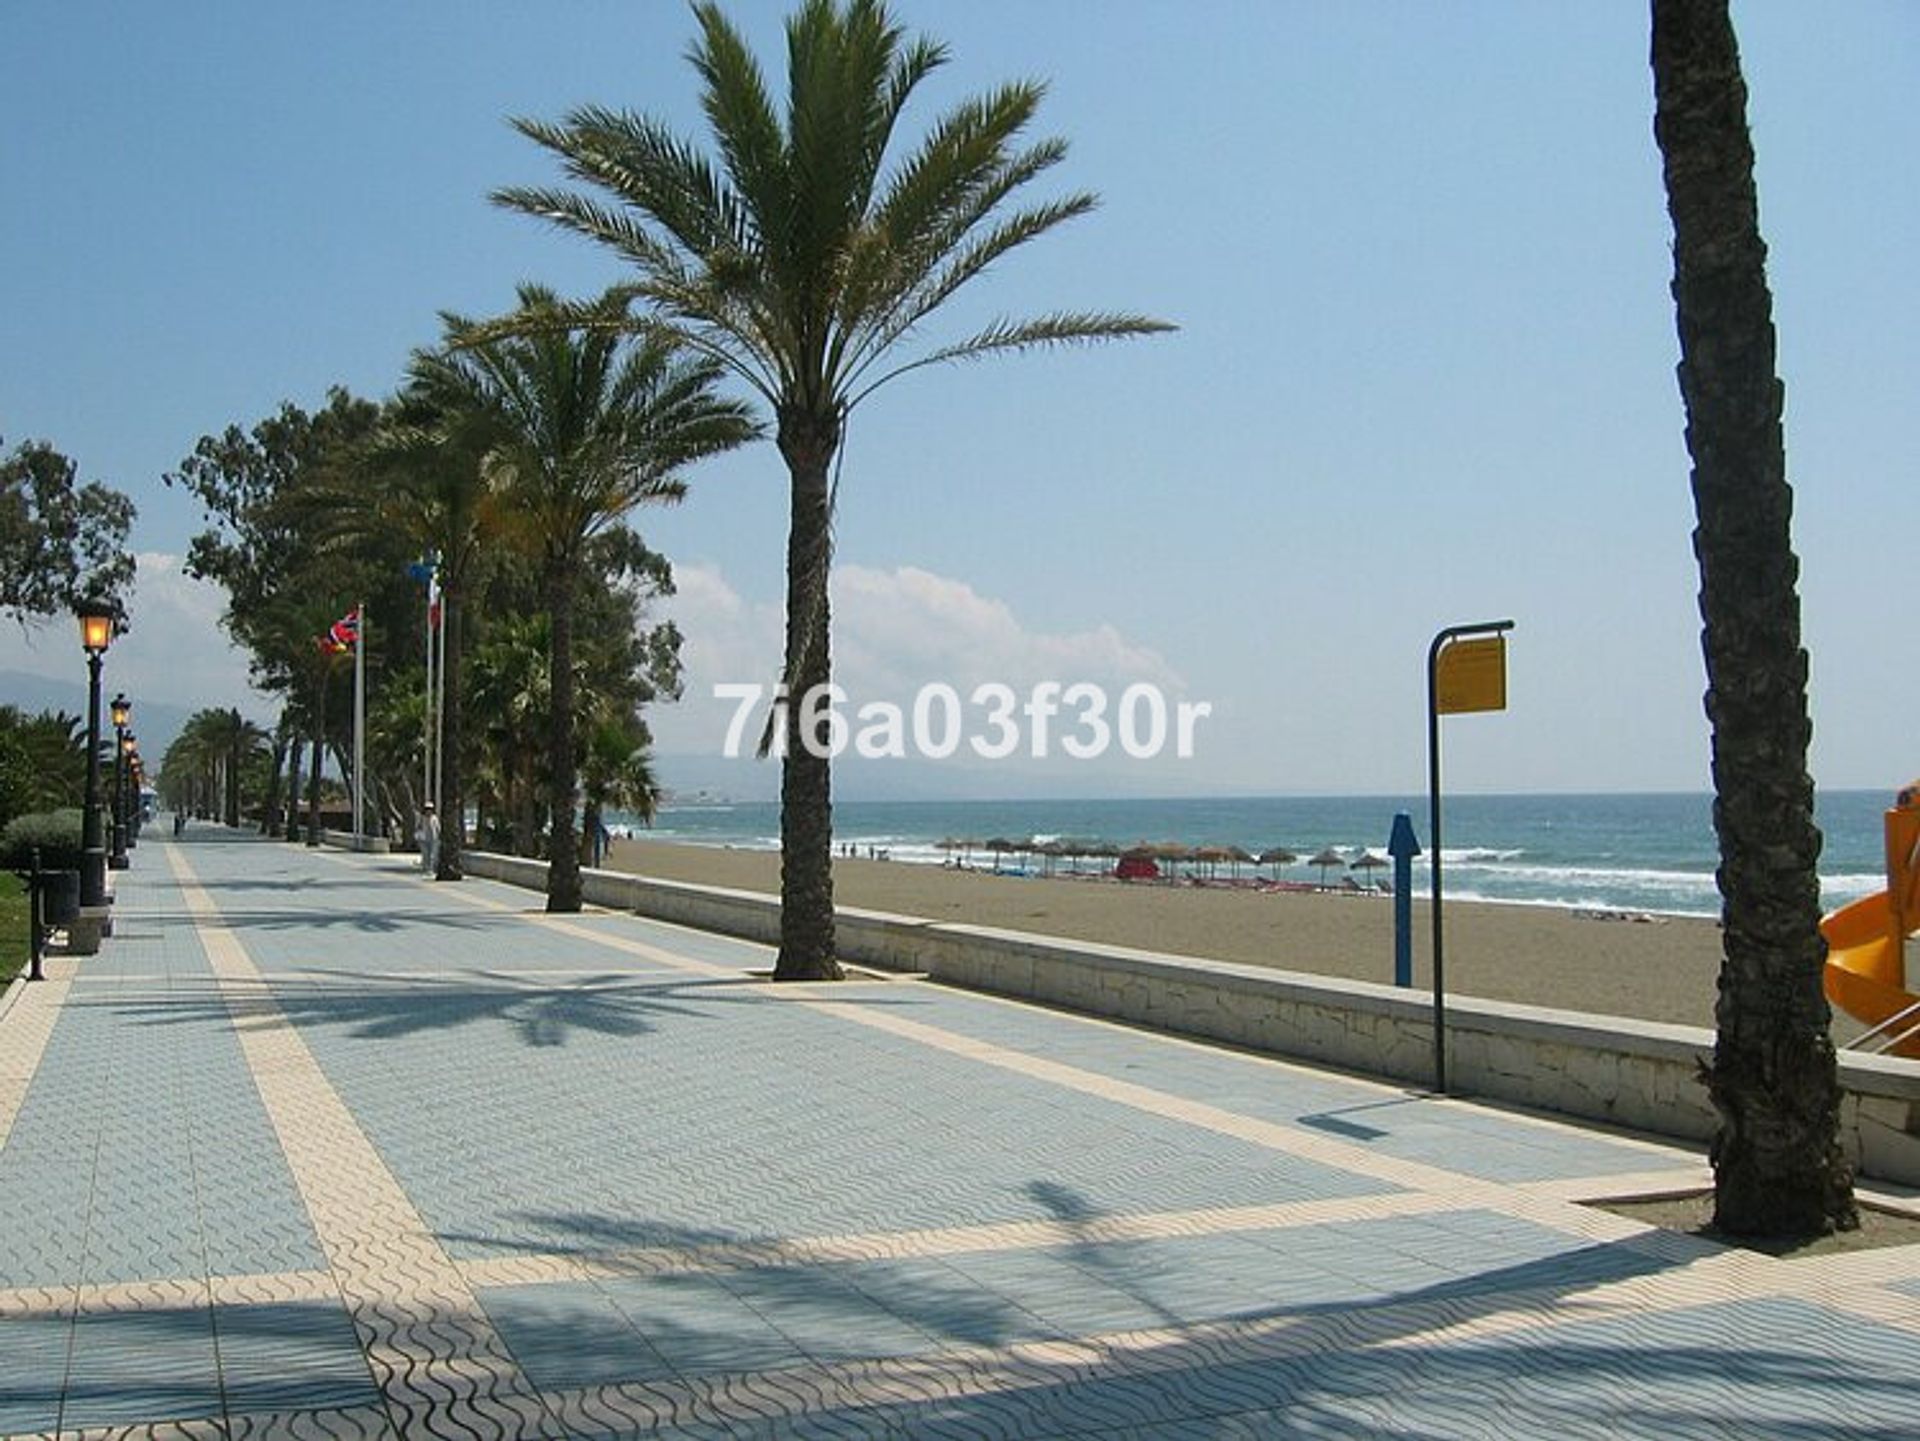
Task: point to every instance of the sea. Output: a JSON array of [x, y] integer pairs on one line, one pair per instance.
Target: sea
[[1636, 853]]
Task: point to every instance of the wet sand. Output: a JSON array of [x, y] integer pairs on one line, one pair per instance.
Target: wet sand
[[1536, 955]]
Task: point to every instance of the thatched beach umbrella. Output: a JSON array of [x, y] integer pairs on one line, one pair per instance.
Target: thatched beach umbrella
[[999, 845], [1277, 856], [1210, 857], [1073, 848], [1368, 861], [1327, 860], [1238, 856]]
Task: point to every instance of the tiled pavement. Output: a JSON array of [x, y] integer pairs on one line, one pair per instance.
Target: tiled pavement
[[314, 1148]]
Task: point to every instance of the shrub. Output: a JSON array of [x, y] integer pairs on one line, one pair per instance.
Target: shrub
[[56, 833]]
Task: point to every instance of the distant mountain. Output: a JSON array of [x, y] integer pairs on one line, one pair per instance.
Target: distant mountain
[[860, 779], [156, 723]]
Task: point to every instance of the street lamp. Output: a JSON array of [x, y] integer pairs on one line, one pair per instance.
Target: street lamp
[[96, 634], [134, 784], [120, 710]]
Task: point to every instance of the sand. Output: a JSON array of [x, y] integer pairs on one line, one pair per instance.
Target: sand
[[1536, 955]]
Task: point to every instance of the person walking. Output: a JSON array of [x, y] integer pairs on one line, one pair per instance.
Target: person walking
[[428, 835]]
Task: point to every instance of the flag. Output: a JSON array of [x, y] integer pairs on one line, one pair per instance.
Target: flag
[[344, 633]]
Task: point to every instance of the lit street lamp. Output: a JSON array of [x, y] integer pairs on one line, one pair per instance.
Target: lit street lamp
[[96, 634], [121, 710]]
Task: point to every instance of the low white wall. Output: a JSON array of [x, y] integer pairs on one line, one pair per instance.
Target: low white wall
[[347, 841], [1604, 1068]]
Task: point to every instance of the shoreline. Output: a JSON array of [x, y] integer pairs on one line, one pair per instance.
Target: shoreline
[[1664, 969]]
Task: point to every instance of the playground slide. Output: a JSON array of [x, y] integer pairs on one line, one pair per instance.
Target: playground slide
[[1866, 975]]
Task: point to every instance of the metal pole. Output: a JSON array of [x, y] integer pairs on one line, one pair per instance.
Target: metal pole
[[1440, 642], [93, 854], [1433, 828], [36, 919], [359, 722], [426, 777], [117, 858], [440, 705]]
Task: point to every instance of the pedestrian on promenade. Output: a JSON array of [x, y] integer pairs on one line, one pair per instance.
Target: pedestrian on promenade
[[428, 835]]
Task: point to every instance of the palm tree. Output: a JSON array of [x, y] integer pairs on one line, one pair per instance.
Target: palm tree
[[1778, 1169], [616, 770], [584, 424], [804, 266]]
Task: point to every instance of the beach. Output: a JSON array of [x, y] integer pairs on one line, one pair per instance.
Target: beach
[[1659, 970]]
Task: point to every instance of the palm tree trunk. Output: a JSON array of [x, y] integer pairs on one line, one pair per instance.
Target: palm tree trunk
[[563, 842], [292, 814], [806, 779], [270, 808], [233, 777], [453, 801], [318, 752], [1777, 1164]]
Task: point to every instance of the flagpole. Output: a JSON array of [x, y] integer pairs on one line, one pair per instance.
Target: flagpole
[[359, 724], [440, 696], [426, 745]]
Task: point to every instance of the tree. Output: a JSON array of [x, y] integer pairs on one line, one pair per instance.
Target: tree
[[585, 425], [61, 544], [43, 761], [1777, 1164], [616, 771], [256, 489], [213, 762], [431, 456], [805, 268], [510, 680]]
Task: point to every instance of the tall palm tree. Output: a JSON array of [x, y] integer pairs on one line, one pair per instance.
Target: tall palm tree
[[805, 266], [585, 424], [1778, 1169]]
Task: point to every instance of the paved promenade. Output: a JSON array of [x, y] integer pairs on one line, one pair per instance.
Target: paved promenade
[[316, 1148]]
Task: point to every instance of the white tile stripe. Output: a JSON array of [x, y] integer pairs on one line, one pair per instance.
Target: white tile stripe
[[29, 1019], [431, 1348]]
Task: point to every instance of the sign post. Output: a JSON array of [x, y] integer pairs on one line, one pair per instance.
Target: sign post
[[1403, 846], [1466, 672]]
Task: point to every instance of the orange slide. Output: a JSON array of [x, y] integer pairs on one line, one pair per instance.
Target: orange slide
[[1866, 942]]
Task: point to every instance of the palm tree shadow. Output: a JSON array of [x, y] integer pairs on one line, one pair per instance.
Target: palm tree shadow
[[383, 1007], [368, 921], [733, 1302]]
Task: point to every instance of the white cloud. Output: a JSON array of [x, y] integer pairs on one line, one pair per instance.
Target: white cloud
[[175, 653], [893, 632]]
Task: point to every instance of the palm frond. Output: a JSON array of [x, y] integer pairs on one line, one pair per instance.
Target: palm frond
[[740, 112], [931, 287], [1046, 332]]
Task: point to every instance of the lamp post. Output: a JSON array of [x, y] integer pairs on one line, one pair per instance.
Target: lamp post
[[135, 783], [96, 634], [117, 851]]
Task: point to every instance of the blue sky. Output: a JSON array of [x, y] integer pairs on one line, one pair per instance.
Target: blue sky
[[1419, 258]]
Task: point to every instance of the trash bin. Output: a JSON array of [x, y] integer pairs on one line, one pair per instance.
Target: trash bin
[[59, 897]]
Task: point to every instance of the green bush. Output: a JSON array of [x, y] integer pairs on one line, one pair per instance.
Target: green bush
[[56, 833]]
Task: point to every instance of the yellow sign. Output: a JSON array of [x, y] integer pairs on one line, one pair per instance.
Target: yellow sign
[[1471, 675]]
